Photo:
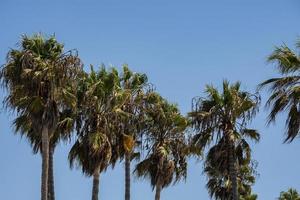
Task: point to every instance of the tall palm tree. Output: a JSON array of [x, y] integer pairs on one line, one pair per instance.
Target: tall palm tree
[[99, 102], [285, 89], [165, 144], [40, 78], [291, 194], [133, 85], [221, 121]]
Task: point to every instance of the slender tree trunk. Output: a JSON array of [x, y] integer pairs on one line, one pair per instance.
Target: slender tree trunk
[[127, 175], [158, 191], [45, 163], [96, 180], [233, 173], [51, 193]]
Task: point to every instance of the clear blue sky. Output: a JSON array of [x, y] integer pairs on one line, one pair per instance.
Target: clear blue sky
[[181, 45]]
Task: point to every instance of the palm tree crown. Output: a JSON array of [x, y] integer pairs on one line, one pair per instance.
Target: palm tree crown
[[291, 194], [285, 90]]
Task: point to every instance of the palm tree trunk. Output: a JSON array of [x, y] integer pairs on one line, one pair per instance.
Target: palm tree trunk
[[96, 180], [51, 193], [45, 163], [127, 176], [158, 191], [233, 173]]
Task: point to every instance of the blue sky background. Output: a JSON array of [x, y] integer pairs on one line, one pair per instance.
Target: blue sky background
[[181, 45]]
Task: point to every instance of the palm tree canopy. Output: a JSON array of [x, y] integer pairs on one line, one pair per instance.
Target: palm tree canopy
[[133, 86], [232, 109], [41, 80], [291, 194], [285, 90]]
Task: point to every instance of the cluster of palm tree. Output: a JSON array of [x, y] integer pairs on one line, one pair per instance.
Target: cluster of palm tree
[[113, 116]]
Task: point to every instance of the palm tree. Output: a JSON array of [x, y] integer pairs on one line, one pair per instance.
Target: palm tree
[[285, 89], [99, 101], [165, 144], [133, 85], [40, 78], [291, 194], [222, 118]]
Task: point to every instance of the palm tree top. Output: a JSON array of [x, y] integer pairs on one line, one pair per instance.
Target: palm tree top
[[39, 64], [291, 194], [35, 73], [231, 107], [286, 60], [284, 90]]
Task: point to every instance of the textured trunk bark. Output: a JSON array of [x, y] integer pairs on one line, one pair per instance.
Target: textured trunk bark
[[96, 180], [127, 176], [158, 191], [233, 173], [51, 193], [45, 163]]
